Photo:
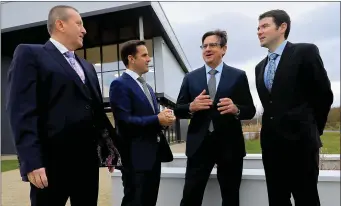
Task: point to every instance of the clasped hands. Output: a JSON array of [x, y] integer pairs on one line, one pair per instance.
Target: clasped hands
[[203, 102], [166, 117]]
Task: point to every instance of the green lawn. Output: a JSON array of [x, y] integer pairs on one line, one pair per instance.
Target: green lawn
[[7, 165], [331, 144]]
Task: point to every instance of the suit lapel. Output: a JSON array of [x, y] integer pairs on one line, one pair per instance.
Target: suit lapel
[[282, 65], [261, 76], [226, 81], [70, 72], [154, 99], [280, 71], [137, 89], [88, 74], [202, 79]]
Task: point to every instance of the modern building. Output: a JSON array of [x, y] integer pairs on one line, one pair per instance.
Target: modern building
[[108, 25]]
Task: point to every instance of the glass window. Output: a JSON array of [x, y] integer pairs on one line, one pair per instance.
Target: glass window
[[121, 72], [80, 53], [109, 34], [149, 76], [99, 76], [93, 55], [108, 77], [148, 28], [110, 58], [127, 32], [92, 37], [149, 45], [121, 66], [111, 118]]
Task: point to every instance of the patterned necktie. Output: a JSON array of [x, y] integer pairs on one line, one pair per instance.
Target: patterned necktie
[[212, 90], [146, 91], [72, 60], [270, 74]]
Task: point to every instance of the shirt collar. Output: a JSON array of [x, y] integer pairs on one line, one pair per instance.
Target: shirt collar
[[279, 49], [59, 46], [219, 68], [133, 74]]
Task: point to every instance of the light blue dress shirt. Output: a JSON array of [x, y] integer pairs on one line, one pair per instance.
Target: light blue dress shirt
[[278, 51], [219, 68]]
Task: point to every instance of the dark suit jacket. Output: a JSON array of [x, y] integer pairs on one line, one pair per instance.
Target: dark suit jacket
[[48, 107], [137, 125], [233, 84], [296, 110]]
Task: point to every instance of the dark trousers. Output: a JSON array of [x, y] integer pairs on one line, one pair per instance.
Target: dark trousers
[[141, 188], [72, 172], [199, 167], [293, 171]]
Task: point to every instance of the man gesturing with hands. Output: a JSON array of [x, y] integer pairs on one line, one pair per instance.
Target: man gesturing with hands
[[215, 97], [204, 101]]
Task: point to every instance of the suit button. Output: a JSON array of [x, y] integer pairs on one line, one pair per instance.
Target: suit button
[[270, 102], [271, 117], [87, 107]]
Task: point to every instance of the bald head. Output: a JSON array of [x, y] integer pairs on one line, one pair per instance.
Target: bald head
[[58, 12]]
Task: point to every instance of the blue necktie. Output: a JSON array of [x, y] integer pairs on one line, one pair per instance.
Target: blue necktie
[[270, 74]]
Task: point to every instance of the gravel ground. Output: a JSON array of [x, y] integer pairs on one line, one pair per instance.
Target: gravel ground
[[14, 192]]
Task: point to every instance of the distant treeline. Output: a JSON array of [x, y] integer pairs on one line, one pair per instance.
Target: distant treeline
[[333, 121]]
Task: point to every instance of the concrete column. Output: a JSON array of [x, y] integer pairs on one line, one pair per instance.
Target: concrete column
[[141, 31]]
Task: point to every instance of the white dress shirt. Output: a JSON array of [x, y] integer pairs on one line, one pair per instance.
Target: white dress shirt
[[62, 50], [134, 75]]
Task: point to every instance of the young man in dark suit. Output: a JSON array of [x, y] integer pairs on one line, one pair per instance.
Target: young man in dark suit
[[216, 97], [62, 134], [296, 95], [139, 123]]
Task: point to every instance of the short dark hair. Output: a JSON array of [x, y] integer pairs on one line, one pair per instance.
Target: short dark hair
[[130, 48], [57, 12], [279, 17], [222, 35]]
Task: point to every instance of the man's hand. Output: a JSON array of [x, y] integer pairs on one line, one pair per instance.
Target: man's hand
[[166, 117], [201, 102], [226, 106], [38, 178]]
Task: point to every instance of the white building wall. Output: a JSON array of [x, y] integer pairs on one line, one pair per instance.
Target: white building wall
[[168, 73]]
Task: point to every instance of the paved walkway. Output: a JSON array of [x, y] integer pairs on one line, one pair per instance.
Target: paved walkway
[[16, 193]]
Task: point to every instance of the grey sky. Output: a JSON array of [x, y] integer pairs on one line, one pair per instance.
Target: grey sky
[[312, 22]]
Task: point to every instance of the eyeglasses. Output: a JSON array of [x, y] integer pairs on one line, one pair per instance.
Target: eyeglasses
[[211, 45]]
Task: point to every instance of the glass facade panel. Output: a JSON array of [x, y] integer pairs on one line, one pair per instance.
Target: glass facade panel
[[127, 32], [149, 45], [80, 53], [121, 72], [111, 118], [110, 58], [93, 55], [108, 64], [149, 77], [120, 62], [99, 76], [108, 77]]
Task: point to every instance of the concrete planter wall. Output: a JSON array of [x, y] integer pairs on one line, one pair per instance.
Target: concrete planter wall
[[253, 189], [254, 161]]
